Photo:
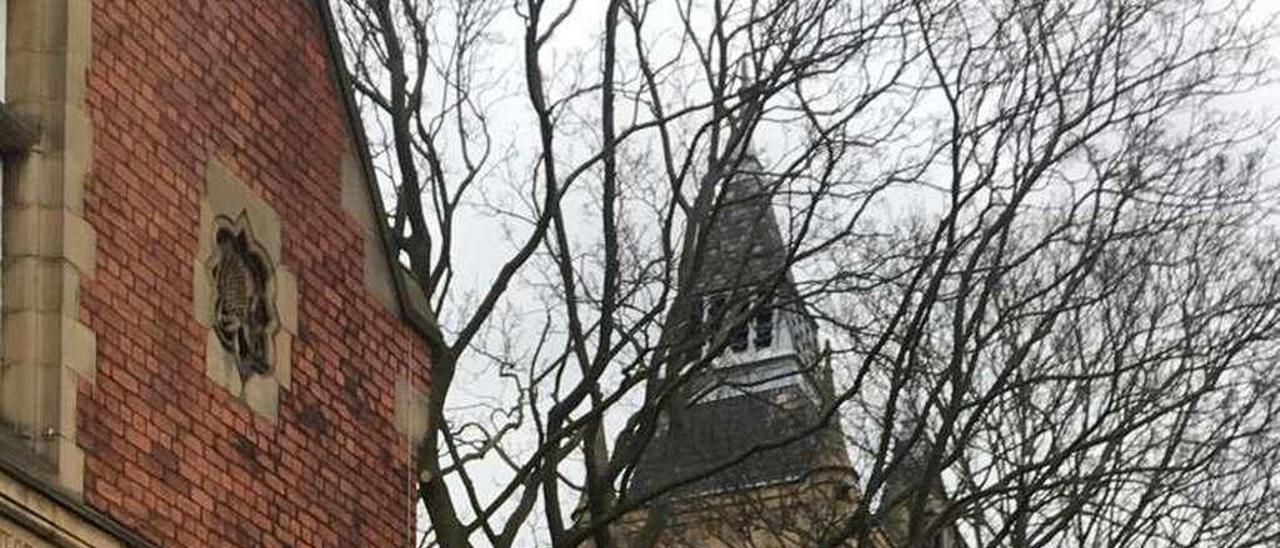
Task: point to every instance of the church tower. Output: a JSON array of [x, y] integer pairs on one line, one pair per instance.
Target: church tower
[[747, 443]]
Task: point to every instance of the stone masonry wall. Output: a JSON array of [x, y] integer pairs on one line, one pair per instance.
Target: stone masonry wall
[[168, 453]]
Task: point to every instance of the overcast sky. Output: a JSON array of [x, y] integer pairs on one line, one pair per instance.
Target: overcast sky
[[486, 245]]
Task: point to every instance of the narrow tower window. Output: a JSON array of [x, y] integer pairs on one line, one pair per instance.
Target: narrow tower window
[[739, 334], [694, 332], [763, 320]]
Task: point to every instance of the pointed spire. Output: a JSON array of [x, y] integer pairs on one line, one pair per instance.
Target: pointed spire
[[912, 446], [910, 475], [743, 246], [763, 386]]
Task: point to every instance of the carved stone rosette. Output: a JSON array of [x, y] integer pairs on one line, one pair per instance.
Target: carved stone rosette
[[244, 311], [245, 295]]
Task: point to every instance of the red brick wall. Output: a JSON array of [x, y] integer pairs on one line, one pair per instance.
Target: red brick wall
[[168, 453]]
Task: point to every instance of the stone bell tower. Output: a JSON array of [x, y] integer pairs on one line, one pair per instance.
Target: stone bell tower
[[755, 463]]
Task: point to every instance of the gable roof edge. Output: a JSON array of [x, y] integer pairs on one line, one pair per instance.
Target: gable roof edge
[[414, 311]]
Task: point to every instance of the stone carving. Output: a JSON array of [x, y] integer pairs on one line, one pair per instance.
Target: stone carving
[[8, 540], [243, 314]]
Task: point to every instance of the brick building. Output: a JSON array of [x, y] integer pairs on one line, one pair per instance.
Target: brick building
[[204, 342]]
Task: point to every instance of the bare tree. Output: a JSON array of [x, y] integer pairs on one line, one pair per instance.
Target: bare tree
[[1039, 251]]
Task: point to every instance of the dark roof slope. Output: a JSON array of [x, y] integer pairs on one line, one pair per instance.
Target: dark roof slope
[[710, 434]]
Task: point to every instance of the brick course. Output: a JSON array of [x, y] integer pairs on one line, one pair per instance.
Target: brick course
[[168, 453]]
